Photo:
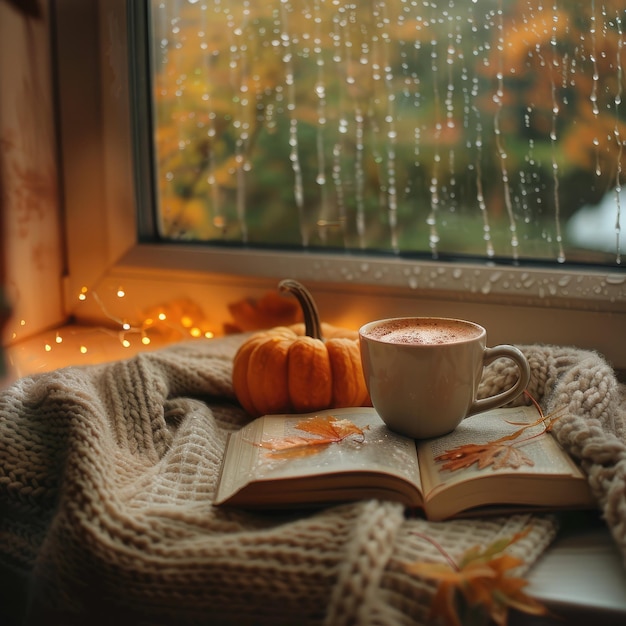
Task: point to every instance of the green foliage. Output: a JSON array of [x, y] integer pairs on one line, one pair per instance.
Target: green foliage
[[380, 125]]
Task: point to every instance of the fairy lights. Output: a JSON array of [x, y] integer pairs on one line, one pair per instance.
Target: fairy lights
[[161, 325], [175, 320]]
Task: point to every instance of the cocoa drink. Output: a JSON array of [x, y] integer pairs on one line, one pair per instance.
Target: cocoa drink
[[423, 373]]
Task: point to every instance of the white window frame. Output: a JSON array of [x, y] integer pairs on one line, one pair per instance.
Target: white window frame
[[522, 305]]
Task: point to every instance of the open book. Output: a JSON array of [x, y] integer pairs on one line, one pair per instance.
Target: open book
[[497, 461]]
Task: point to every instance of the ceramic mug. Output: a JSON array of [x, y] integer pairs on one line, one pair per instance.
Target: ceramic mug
[[423, 373]]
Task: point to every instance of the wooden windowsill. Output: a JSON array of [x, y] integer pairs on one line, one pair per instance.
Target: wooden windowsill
[[74, 345]]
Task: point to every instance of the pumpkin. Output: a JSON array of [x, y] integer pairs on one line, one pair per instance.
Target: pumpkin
[[293, 369]]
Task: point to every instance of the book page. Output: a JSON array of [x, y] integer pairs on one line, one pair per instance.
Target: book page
[[536, 451], [255, 454]]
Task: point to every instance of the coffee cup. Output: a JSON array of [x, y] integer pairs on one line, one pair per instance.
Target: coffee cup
[[423, 373]]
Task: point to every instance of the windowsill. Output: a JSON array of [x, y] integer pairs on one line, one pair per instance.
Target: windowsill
[[580, 576], [73, 345]]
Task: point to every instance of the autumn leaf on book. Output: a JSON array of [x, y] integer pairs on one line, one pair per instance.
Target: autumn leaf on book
[[504, 452], [498, 455], [342, 455], [323, 430], [479, 585]]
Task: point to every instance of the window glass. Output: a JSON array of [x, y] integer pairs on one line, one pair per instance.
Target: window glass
[[490, 129]]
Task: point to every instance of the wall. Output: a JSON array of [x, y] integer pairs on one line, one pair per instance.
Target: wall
[[31, 239]]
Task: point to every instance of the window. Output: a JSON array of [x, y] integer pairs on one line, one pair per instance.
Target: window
[[488, 129], [109, 171]]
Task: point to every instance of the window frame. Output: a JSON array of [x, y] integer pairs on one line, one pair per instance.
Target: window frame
[[108, 245]]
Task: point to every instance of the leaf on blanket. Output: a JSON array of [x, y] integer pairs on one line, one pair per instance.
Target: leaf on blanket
[[479, 586], [326, 429]]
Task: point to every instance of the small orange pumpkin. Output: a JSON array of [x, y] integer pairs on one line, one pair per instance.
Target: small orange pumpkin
[[292, 369]]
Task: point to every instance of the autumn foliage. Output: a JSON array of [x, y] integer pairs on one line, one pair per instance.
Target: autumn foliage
[[321, 431], [479, 587], [299, 123], [506, 451]]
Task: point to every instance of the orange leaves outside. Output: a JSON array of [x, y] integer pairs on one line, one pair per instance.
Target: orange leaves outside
[[479, 587], [325, 430]]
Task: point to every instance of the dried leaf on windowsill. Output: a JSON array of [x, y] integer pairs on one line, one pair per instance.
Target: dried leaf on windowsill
[[271, 310]]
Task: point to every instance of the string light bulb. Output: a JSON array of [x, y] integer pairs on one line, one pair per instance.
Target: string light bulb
[[170, 322], [161, 320]]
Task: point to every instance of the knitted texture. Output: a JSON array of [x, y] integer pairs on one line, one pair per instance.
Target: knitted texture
[[107, 474]]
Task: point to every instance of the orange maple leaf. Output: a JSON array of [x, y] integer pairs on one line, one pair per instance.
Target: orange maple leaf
[[326, 429], [480, 583], [329, 427], [498, 455]]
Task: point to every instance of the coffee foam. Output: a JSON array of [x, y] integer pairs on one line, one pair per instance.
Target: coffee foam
[[422, 332]]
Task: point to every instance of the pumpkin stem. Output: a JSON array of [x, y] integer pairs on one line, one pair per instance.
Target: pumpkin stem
[[312, 326]]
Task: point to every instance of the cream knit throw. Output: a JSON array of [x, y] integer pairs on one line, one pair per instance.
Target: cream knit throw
[[107, 475]]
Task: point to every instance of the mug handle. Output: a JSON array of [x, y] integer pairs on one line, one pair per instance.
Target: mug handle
[[500, 399]]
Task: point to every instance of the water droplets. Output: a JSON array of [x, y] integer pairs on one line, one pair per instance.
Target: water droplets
[[398, 121]]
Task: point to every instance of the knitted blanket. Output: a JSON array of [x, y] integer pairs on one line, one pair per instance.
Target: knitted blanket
[[107, 475]]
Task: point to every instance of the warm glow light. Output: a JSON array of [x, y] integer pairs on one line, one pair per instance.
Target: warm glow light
[[141, 328]]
